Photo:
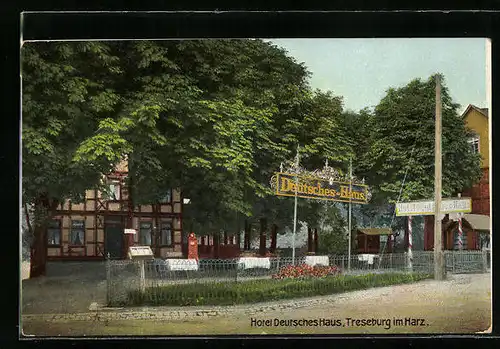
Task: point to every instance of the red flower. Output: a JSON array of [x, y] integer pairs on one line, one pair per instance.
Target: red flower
[[304, 270]]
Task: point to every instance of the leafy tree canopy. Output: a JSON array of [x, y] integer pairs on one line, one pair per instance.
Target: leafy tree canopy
[[401, 139]]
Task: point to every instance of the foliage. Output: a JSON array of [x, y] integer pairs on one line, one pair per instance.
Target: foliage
[[67, 92], [396, 138], [402, 137], [261, 290], [332, 224], [216, 118]]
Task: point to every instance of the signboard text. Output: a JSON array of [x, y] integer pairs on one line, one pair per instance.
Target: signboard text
[[316, 188]]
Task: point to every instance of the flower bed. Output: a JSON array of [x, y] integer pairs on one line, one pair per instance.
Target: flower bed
[[305, 271], [230, 293]]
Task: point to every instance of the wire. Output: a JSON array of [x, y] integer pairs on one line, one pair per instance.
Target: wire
[[399, 198]]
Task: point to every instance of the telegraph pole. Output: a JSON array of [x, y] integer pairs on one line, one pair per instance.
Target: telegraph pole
[[350, 212], [297, 162], [438, 252]]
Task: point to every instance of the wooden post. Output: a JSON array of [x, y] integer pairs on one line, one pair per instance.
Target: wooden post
[[438, 248], [225, 237], [108, 278], [142, 276], [485, 260], [315, 241], [262, 244]]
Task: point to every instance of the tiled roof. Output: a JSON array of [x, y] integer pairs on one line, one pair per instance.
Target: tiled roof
[[483, 111]]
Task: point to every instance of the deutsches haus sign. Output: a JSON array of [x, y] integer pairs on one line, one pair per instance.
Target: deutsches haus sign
[[316, 188], [425, 208]]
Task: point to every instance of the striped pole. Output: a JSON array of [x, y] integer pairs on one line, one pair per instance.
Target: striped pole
[[410, 243], [460, 232]]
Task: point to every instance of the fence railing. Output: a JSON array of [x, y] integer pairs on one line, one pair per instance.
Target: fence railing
[[124, 276]]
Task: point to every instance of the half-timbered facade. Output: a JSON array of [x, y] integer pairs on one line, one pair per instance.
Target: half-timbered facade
[[477, 121], [95, 228], [475, 225]]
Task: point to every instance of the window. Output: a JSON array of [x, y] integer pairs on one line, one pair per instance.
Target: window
[[166, 233], [77, 234], [474, 143], [464, 240], [114, 190], [167, 197], [54, 232], [145, 233]]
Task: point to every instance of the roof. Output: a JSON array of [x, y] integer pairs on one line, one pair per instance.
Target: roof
[[478, 221], [376, 231], [470, 107]]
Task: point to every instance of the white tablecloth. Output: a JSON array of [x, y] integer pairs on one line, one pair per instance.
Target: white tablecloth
[[367, 258], [254, 262], [181, 264], [317, 260]]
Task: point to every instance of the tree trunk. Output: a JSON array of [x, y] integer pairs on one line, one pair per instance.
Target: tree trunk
[[216, 245], [38, 252], [225, 237], [44, 209], [262, 245], [238, 238], [309, 240], [315, 241], [274, 233], [248, 228]]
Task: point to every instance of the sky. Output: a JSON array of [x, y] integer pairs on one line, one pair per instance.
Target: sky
[[361, 70]]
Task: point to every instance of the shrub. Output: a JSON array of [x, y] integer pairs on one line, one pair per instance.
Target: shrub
[[262, 290]]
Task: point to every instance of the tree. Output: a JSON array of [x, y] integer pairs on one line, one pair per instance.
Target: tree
[[397, 140], [66, 93], [224, 139], [403, 120], [320, 132], [74, 108], [200, 115], [333, 237]]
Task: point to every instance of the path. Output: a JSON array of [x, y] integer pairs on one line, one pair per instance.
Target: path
[[459, 305]]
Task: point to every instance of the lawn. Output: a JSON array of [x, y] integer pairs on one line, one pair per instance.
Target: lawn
[[261, 290]]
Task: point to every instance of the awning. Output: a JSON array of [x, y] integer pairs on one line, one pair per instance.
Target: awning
[[478, 221], [376, 231]]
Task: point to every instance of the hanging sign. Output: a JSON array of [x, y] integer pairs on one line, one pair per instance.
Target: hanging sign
[[318, 188], [426, 208]]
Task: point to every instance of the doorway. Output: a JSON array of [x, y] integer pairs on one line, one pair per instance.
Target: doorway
[[114, 236]]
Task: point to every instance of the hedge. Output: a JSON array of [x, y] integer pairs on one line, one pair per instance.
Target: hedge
[[255, 291]]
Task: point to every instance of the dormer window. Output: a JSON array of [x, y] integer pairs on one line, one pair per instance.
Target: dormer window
[[114, 190], [474, 143], [167, 197]]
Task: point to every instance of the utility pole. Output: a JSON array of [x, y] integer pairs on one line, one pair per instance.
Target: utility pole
[[350, 212], [297, 161], [438, 252]]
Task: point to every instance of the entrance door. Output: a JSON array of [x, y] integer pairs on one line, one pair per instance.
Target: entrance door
[[114, 236]]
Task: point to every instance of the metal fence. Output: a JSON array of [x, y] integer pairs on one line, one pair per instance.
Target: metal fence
[[125, 276]]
